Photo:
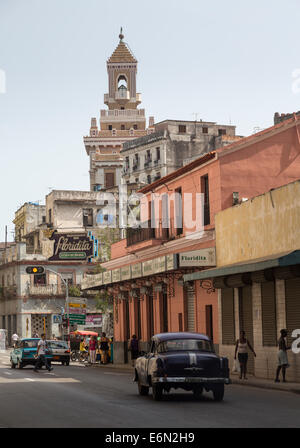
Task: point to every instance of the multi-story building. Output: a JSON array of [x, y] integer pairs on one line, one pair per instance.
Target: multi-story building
[[147, 270], [27, 218], [123, 121], [258, 277], [34, 303], [173, 144]]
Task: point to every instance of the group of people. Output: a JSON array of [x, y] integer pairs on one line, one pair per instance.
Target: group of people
[[241, 349], [101, 345]]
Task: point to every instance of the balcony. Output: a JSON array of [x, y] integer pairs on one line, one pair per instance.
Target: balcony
[[45, 290], [162, 232], [127, 115], [148, 163], [8, 291]]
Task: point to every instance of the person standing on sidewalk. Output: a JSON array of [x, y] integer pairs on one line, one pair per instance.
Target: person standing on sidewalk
[[104, 348], [92, 349], [134, 348], [41, 355], [282, 356], [241, 348]]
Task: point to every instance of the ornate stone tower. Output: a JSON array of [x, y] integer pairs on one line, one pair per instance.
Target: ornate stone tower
[[122, 121]]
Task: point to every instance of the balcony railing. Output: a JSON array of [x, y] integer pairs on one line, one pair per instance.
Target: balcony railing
[[45, 290], [162, 231]]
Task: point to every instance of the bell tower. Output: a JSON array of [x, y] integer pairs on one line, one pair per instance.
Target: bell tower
[[122, 121], [122, 70]]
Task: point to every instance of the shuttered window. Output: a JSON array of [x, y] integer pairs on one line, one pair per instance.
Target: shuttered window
[[268, 303], [292, 300], [228, 327]]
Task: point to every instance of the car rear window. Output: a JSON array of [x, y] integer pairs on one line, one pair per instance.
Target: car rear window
[[58, 344], [184, 345], [29, 344]]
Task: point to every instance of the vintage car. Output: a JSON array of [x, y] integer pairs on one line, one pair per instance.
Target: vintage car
[[24, 353], [181, 360]]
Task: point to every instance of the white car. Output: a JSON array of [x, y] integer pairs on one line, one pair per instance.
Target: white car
[[60, 351]]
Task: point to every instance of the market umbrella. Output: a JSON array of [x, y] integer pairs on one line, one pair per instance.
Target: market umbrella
[[84, 333]]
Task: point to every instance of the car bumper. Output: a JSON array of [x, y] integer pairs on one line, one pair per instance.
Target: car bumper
[[185, 380]]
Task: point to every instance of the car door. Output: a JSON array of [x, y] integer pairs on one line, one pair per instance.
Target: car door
[[143, 374]]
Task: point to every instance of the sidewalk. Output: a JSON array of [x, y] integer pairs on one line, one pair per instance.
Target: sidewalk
[[251, 381], [266, 383]]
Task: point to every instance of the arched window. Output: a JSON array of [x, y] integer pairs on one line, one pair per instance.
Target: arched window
[[122, 82]]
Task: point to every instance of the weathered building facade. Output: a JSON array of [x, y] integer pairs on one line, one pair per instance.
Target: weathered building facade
[[258, 277], [32, 303], [146, 271], [173, 144]]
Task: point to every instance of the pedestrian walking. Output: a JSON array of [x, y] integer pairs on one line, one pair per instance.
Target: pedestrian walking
[[104, 348], [134, 349], [92, 349], [283, 363], [14, 339], [241, 348], [41, 355]]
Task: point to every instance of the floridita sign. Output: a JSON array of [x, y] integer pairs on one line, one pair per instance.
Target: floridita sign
[[69, 247]]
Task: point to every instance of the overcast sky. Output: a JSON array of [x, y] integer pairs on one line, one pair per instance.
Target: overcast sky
[[228, 61]]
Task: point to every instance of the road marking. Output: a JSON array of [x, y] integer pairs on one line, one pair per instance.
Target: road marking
[[29, 379], [7, 373], [41, 380]]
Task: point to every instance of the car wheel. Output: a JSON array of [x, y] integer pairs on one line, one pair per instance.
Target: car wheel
[[197, 392], [143, 390], [12, 364], [20, 364], [218, 392], [157, 392]]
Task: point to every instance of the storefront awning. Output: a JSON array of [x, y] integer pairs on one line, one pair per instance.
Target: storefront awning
[[279, 260]]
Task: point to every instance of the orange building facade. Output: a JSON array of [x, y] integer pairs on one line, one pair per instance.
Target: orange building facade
[[145, 273]]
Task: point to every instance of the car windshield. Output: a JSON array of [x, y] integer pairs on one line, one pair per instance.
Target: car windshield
[[184, 345], [29, 344], [58, 344]]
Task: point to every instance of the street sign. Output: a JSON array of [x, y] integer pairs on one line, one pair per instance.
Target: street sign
[[77, 318]]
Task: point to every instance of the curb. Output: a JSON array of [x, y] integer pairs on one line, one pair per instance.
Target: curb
[[292, 388]]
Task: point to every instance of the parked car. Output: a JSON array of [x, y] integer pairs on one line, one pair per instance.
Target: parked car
[[60, 351], [181, 360], [24, 353]]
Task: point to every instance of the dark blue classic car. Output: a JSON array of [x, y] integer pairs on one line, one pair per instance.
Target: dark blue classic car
[[181, 360]]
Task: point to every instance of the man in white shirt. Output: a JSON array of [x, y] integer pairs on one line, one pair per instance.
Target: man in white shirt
[[41, 355], [14, 339]]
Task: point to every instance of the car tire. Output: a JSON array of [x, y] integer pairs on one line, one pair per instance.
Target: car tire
[[143, 390], [12, 364], [197, 392], [157, 392], [218, 392], [20, 364]]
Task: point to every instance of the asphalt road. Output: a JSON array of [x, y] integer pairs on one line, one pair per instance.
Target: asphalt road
[[95, 397]]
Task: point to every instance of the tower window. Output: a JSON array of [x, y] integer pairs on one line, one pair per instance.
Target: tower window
[[110, 127], [222, 131], [205, 130], [182, 129], [135, 126], [122, 127]]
